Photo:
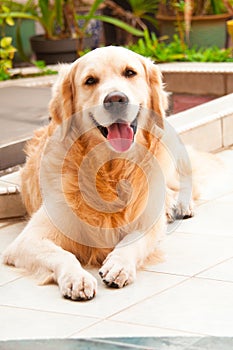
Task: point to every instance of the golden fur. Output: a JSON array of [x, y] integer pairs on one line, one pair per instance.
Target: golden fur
[[42, 248]]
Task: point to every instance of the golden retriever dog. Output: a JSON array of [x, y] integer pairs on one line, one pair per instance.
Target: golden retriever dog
[[104, 177]]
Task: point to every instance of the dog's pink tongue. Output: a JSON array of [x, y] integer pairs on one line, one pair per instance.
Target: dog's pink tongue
[[120, 136]]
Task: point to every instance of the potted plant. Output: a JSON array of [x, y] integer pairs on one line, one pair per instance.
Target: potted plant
[[60, 19], [201, 23], [137, 13]]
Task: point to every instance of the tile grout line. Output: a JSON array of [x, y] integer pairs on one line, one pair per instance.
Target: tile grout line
[[212, 279], [211, 267], [147, 298], [13, 280], [169, 273], [87, 327], [107, 318], [196, 275], [159, 327], [47, 311], [135, 324], [204, 234]]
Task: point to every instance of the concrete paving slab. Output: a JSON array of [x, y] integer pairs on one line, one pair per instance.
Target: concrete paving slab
[[22, 110]]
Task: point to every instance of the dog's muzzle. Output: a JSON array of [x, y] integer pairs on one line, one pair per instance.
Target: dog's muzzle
[[120, 133]]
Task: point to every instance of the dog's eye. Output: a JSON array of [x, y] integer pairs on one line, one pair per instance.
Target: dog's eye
[[91, 81], [129, 73]]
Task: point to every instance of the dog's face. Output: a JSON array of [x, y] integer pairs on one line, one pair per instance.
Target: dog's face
[[110, 86]]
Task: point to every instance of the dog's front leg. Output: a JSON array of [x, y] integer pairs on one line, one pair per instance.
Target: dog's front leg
[[119, 268], [35, 249]]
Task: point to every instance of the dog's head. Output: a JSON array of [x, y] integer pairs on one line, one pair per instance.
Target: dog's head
[[109, 87]]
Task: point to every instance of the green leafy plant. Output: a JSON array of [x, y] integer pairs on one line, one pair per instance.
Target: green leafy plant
[[9, 10], [157, 49], [59, 18], [144, 10], [160, 51], [7, 52], [43, 69], [211, 54], [138, 14], [128, 27]]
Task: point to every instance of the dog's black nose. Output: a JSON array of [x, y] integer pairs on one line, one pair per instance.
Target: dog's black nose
[[115, 101]]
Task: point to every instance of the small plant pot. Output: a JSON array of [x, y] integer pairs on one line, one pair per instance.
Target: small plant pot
[[27, 29], [54, 51], [205, 31]]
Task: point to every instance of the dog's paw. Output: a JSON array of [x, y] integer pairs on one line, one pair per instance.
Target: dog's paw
[[116, 272], [77, 285], [178, 205], [179, 211]]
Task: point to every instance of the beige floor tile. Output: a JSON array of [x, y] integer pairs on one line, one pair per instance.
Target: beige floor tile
[[10, 232], [221, 272], [25, 293], [108, 328], [228, 198], [8, 274], [28, 324], [212, 218], [197, 305], [189, 254], [13, 178], [162, 301]]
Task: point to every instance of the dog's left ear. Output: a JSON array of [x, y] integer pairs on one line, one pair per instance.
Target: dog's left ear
[[159, 100]]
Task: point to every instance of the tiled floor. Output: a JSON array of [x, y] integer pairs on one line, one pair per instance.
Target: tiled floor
[[190, 294]]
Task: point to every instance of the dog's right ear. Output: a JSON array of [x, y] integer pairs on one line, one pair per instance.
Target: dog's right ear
[[61, 104], [61, 107]]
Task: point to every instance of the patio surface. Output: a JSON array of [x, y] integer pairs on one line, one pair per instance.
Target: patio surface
[[190, 294]]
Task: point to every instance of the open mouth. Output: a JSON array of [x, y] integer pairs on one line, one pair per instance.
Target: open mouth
[[120, 134]]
